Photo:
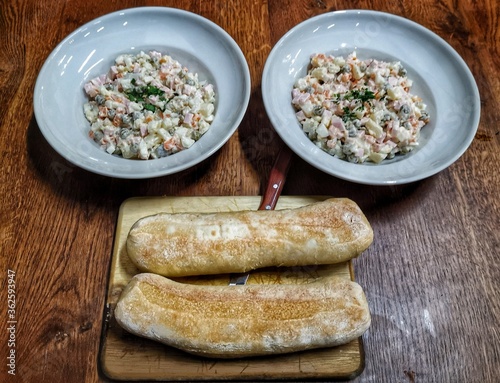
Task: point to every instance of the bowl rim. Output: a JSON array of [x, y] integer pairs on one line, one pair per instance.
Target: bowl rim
[[160, 11], [275, 120]]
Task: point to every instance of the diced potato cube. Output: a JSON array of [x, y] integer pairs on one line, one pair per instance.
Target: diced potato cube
[[307, 108], [374, 128], [309, 125], [206, 109], [164, 134], [143, 150], [322, 131], [377, 157], [203, 126], [379, 80], [319, 73], [395, 93], [356, 72], [301, 83], [187, 141], [91, 111], [339, 60], [403, 135]]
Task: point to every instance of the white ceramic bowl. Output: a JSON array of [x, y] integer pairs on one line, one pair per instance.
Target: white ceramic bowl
[[197, 43], [440, 76]]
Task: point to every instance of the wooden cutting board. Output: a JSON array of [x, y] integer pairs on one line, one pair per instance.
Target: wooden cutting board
[[127, 357]]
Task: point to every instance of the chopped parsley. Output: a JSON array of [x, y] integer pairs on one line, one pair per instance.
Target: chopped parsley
[[356, 95], [364, 95], [348, 114], [150, 107], [140, 95], [359, 97]]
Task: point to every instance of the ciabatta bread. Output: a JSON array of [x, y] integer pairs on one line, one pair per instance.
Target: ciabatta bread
[[242, 321], [183, 244]]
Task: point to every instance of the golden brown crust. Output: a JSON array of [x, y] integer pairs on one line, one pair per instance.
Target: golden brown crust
[[184, 244], [241, 321]]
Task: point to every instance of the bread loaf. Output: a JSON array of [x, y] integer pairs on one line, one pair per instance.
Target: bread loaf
[[182, 244], [243, 321]]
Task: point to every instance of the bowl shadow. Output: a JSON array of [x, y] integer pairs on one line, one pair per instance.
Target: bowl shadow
[[75, 183]]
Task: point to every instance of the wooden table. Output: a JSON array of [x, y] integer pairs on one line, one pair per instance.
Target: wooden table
[[432, 275]]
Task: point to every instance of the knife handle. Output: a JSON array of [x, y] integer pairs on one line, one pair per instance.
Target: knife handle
[[276, 179]]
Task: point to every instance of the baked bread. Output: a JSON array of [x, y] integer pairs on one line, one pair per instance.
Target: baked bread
[[183, 244], [243, 321]]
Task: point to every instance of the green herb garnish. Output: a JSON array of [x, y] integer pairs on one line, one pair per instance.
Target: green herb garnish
[[358, 96], [150, 107], [348, 114], [140, 94], [363, 97], [355, 94]]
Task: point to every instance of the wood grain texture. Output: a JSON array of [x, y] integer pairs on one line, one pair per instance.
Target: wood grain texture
[[431, 276], [152, 361]]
